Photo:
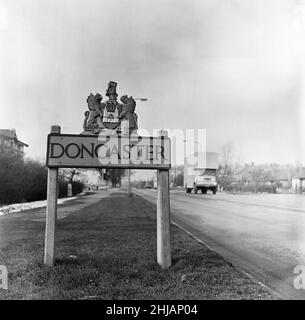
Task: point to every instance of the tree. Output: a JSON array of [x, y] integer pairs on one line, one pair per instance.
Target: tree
[[113, 175], [69, 174], [257, 175], [139, 184], [267, 175], [226, 157], [179, 179]]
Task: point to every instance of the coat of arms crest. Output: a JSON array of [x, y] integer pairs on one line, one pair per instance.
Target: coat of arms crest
[[110, 115]]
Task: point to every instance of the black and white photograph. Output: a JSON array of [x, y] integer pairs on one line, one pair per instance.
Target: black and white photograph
[[152, 153]]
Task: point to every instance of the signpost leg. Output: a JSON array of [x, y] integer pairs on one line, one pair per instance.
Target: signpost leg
[[49, 250], [163, 220]]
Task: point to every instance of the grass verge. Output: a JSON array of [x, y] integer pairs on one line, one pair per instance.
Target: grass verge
[[108, 251]]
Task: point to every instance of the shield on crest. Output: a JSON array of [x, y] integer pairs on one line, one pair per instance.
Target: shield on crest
[[111, 114]]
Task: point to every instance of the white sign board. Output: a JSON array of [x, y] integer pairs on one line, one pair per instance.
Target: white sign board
[[91, 151]]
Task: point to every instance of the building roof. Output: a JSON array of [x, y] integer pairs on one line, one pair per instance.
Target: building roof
[[300, 176], [11, 133]]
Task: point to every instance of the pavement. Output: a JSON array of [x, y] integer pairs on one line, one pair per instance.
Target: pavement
[[262, 234]]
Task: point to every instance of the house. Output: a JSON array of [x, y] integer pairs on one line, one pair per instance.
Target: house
[[10, 142], [298, 184], [281, 182]]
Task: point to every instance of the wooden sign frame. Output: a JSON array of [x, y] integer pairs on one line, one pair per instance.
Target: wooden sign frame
[[163, 208], [155, 146]]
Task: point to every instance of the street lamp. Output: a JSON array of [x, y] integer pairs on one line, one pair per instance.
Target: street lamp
[[141, 99]]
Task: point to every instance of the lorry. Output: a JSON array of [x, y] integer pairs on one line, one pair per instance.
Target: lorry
[[200, 172]]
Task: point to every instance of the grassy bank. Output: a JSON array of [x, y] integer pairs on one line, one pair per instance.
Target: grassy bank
[[108, 251]]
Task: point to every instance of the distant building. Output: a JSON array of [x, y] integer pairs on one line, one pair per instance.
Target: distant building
[[298, 184], [10, 142], [282, 182], [285, 183]]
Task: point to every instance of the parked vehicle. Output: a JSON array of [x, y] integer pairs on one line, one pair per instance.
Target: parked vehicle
[[200, 172]]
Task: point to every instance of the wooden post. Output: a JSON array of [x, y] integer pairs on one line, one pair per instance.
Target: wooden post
[[163, 218], [51, 217]]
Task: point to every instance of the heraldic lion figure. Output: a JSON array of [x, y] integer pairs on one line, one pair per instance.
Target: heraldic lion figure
[[93, 117], [127, 116]]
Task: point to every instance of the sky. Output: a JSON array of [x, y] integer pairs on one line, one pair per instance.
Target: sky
[[233, 67]]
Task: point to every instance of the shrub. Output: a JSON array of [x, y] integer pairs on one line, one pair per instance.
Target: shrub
[[77, 187], [11, 184], [62, 189], [26, 180], [34, 180]]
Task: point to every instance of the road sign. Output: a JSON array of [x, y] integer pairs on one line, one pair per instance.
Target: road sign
[[105, 151], [95, 149]]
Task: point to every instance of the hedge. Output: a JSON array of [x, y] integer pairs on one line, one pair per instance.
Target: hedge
[[26, 180]]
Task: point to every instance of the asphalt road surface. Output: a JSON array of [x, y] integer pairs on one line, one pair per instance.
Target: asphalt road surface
[[262, 234]]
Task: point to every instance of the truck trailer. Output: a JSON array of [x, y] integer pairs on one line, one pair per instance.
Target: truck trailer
[[200, 172]]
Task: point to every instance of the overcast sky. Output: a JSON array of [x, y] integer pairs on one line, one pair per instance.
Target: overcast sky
[[234, 67]]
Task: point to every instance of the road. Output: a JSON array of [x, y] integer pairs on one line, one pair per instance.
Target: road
[[262, 234]]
